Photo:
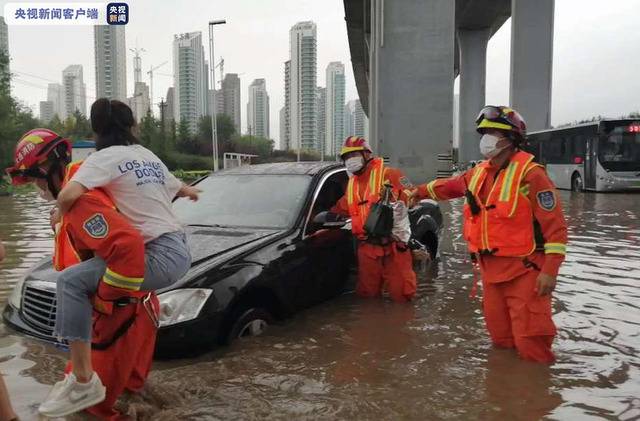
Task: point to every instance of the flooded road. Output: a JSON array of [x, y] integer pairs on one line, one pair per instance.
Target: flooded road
[[357, 359]]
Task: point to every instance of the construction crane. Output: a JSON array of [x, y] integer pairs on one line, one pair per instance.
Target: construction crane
[[150, 73]]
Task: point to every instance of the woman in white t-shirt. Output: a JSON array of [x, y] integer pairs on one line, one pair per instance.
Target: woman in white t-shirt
[[142, 188]]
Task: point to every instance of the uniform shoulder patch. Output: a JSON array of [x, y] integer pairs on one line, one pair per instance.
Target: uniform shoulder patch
[[96, 226], [546, 200], [404, 182]]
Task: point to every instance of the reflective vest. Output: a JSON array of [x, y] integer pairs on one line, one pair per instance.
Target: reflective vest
[[504, 224], [65, 253], [360, 202]]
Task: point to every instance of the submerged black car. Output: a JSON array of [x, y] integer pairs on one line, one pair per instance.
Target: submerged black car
[[258, 256]]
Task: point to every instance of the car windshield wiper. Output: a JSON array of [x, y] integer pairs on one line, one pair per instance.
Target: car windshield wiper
[[209, 226]]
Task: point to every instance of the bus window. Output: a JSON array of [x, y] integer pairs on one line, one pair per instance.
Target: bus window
[[578, 147], [619, 149], [555, 151]]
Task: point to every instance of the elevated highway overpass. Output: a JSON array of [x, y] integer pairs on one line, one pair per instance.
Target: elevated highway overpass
[[406, 53]]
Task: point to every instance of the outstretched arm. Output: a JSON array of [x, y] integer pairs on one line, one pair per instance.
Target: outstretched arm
[[69, 194], [193, 193]]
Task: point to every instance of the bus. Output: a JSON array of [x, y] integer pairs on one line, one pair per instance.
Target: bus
[[602, 156]]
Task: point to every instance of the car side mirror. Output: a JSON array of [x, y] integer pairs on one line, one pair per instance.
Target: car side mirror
[[330, 220]]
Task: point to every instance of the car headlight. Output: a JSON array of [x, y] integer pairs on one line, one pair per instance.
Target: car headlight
[[15, 300], [182, 305]]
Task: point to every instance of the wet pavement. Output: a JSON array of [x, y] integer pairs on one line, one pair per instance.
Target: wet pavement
[[358, 359]]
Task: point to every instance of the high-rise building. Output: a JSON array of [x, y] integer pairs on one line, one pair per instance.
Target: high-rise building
[[46, 111], [140, 102], [360, 120], [4, 38], [169, 116], [219, 99], [302, 86], [285, 138], [348, 120], [357, 123], [55, 95], [283, 128], [74, 90], [258, 109], [231, 94], [111, 62], [189, 79], [334, 126], [321, 117]]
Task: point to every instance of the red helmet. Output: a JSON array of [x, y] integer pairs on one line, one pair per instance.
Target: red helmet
[[354, 144], [502, 118], [34, 148]]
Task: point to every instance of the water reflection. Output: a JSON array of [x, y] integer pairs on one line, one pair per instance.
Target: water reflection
[[359, 359]]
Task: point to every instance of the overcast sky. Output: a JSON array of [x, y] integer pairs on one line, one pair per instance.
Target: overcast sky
[[595, 70]]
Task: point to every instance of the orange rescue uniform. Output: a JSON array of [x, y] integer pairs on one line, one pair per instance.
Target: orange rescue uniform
[[514, 224], [124, 319], [391, 262]]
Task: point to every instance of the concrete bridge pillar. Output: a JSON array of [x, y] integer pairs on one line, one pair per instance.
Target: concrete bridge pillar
[[473, 65], [411, 84], [532, 60]]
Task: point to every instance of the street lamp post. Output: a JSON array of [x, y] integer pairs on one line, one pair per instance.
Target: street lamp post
[[214, 128]]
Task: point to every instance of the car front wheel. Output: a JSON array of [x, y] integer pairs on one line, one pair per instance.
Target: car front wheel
[[250, 322]]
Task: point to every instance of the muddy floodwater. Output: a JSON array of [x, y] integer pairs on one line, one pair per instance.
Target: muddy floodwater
[[356, 359]]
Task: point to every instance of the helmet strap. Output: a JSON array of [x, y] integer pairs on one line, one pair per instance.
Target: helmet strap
[[59, 161], [54, 171]]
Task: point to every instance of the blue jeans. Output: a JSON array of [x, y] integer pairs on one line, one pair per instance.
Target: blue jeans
[[167, 259]]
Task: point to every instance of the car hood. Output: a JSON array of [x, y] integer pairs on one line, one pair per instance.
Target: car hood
[[208, 242], [205, 243]]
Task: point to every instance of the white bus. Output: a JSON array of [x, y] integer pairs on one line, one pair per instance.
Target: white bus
[[600, 156]]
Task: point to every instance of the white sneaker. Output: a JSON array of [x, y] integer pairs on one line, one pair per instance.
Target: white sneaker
[[69, 396]]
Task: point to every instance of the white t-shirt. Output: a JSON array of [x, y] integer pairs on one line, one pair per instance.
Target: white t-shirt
[[139, 183]]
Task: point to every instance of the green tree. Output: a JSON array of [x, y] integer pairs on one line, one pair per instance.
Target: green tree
[[15, 119], [150, 134], [56, 124], [226, 131], [81, 127], [253, 145]]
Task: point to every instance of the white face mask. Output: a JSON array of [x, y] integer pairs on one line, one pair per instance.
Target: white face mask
[[354, 164], [488, 146], [46, 195]]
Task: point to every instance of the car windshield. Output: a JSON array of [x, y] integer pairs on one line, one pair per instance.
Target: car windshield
[[619, 150], [249, 201]]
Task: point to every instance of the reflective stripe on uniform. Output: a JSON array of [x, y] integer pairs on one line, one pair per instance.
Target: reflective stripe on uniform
[[120, 281], [477, 174], [505, 191], [555, 248], [431, 190]]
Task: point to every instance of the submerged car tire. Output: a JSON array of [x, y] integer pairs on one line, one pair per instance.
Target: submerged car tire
[[249, 322], [576, 183]]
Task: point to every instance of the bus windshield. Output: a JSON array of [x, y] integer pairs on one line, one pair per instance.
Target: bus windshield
[[619, 148]]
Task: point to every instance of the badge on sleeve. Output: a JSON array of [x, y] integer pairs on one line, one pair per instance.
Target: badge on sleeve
[[96, 226], [547, 200], [404, 182]]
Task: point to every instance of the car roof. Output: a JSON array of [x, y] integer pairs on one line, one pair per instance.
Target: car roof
[[284, 168]]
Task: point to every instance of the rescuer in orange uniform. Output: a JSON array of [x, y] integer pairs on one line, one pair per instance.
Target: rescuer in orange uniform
[[384, 260], [124, 321], [515, 230]]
